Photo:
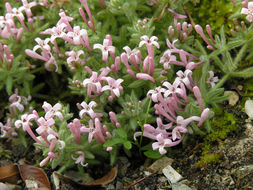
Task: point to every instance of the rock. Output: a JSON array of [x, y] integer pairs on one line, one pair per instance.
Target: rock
[[172, 175], [233, 98], [179, 186], [238, 172], [159, 164], [249, 108], [55, 180], [6, 186], [119, 185], [146, 173], [110, 187]]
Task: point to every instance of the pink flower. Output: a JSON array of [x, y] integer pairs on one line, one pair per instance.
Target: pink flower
[[57, 31], [99, 132], [80, 36], [75, 130], [150, 132], [149, 43], [80, 159], [113, 85], [51, 155], [44, 128], [87, 109], [7, 130], [162, 142], [27, 7], [212, 79], [185, 77], [89, 23], [15, 104], [154, 93], [46, 56], [52, 111], [134, 56], [65, 19], [204, 115], [162, 126], [172, 88], [25, 122], [248, 11], [166, 59], [198, 96], [113, 119], [176, 132], [90, 130], [94, 84], [145, 76], [199, 30], [105, 48], [42, 44], [74, 58], [176, 16]]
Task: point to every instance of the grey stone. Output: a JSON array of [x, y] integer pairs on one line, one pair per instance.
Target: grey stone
[[159, 164], [6, 186], [119, 186], [110, 187], [172, 175], [179, 186]]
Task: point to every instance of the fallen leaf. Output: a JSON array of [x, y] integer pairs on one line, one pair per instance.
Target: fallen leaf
[[34, 177], [60, 179], [93, 185], [9, 173], [109, 177]]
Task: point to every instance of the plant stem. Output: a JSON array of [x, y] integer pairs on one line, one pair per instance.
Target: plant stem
[[146, 117]]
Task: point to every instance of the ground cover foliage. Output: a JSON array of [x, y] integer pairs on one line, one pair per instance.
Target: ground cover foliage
[[91, 80]]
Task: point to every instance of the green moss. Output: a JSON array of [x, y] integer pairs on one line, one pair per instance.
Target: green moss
[[207, 159], [213, 12], [221, 127]]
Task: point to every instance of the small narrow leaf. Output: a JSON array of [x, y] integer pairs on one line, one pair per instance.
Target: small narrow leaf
[[246, 73], [8, 84], [122, 133], [137, 83], [128, 145]]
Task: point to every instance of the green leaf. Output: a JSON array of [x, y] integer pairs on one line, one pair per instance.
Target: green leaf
[[192, 109], [8, 84], [122, 133], [113, 155], [213, 93], [197, 130], [128, 145], [113, 141], [88, 154], [153, 154], [57, 161], [234, 44], [133, 123], [21, 136], [137, 83], [246, 73]]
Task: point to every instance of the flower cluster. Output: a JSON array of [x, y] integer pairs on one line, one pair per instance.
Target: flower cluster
[[132, 74]]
